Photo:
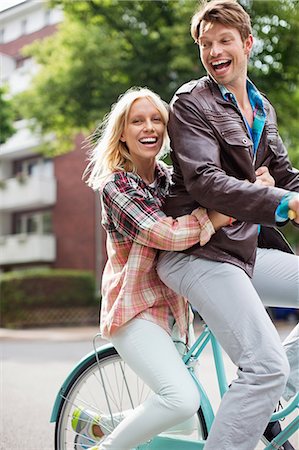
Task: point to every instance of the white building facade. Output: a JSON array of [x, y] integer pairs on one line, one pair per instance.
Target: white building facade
[[34, 230]]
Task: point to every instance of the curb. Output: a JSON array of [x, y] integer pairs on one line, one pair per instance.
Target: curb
[[71, 334]]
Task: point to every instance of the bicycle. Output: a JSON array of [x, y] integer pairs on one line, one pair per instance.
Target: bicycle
[[102, 382]]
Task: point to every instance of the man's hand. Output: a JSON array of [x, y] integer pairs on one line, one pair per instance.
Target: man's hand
[[294, 206], [263, 177]]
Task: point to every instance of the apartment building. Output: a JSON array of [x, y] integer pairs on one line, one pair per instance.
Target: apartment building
[[48, 216]]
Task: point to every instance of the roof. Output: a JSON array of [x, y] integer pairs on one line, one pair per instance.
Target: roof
[[13, 48]]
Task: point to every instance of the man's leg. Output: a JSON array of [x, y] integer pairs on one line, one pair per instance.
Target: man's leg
[[276, 279], [226, 299]]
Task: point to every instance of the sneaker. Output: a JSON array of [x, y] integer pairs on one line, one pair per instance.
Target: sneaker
[[83, 423]]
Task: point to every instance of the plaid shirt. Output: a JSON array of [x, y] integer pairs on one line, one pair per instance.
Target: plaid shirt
[[136, 228]]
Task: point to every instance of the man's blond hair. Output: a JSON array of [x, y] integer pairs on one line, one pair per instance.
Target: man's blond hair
[[226, 12]]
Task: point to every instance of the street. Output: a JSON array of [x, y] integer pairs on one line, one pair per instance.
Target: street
[[32, 372], [34, 365]]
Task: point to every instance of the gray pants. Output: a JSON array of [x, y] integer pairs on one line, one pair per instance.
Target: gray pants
[[230, 303]]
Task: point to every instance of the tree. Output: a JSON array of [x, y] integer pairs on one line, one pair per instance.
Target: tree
[[105, 46], [6, 116], [274, 63]]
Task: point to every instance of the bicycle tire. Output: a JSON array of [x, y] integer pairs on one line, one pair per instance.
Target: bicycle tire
[[110, 383]]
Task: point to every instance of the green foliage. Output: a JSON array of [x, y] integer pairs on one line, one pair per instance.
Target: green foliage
[[6, 117], [100, 50], [31, 289], [274, 63], [292, 236], [106, 46]]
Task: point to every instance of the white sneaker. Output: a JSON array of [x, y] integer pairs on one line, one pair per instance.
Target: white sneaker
[[83, 421]]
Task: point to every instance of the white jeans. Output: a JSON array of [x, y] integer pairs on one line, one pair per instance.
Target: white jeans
[[150, 352], [230, 304]]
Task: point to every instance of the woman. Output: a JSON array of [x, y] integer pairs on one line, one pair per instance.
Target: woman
[[138, 311]]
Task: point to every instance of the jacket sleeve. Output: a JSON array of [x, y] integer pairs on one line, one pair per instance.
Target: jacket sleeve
[[198, 153], [139, 218], [285, 176]]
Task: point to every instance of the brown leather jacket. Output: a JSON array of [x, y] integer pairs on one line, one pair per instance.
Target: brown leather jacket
[[214, 166]]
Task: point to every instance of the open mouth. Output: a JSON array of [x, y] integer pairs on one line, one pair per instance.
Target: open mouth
[[148, 140], [220, 65]]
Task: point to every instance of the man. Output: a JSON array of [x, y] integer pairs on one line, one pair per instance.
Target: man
[[223, 135]]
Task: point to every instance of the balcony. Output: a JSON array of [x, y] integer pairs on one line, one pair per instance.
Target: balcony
[[27, 248], [27, 193], [22, 143]]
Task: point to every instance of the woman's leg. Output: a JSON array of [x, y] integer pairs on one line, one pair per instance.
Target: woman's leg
[[226, 299], [151, 353], [276, 279]]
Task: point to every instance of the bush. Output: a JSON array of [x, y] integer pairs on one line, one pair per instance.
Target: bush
[[44, 289]]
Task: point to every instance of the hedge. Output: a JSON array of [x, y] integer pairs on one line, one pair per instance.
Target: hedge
[[45, 289]]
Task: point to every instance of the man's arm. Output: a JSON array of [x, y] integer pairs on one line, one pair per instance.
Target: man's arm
[[198, 152], [286, 176]]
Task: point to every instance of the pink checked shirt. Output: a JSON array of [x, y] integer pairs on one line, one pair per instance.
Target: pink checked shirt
[[136, 229]]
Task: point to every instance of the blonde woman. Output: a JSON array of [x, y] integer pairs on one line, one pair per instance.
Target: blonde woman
[[138, 310]]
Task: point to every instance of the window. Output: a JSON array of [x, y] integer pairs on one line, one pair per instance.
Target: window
[[2, 32], [23, 27], [34, 223], [35, 167], [20, 62], [47, 223], [47, 17]]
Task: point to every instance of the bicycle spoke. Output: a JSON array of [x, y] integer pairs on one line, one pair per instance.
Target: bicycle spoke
[[110, 389]]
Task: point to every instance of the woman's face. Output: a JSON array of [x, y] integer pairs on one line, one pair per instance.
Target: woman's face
[[144, 131]]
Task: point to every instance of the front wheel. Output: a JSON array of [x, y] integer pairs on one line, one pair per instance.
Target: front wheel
[[110, 389]]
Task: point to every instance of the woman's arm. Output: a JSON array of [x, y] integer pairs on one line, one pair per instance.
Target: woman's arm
[[139, 218]]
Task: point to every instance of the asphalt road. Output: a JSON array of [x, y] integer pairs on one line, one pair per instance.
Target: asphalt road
[[34, 365]]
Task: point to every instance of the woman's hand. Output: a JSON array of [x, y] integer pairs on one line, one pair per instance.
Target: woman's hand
[[220, 220], [263, 177]]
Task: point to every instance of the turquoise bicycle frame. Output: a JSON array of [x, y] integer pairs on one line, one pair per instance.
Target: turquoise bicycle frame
[[174, 443], [169, 443]]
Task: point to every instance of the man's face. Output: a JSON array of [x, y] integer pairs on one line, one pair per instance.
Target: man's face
[[223, 53]]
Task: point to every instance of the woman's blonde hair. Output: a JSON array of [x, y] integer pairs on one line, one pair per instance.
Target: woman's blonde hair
[[110, 154]]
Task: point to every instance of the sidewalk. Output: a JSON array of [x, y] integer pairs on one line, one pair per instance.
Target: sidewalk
[[68, 334], [50, 334]]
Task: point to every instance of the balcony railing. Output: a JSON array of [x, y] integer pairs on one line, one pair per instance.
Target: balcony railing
[[27, 193], [27, 248], [22, 143]]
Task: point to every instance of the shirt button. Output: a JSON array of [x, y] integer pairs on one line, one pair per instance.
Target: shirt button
[[245, 141]]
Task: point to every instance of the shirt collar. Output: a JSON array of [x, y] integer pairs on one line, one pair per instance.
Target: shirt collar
[[259, 113], [254, 96], [226, 94]]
